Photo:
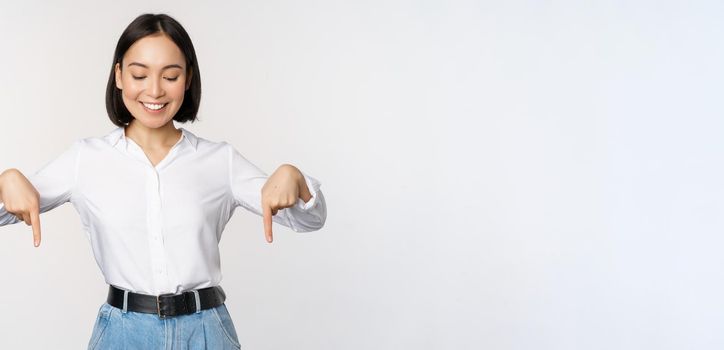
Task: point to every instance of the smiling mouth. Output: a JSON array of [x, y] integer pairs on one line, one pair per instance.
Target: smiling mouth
[[153, 107]]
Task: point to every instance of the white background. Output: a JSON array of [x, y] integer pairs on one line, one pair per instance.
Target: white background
[[499, 175]]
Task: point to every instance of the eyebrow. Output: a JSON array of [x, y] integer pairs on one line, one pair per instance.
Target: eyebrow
[[145, 66]]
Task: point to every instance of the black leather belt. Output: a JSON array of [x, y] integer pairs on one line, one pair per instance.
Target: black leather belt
[[167, 304]]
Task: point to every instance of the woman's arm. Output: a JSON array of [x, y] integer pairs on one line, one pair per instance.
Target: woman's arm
[[308, 212], [25, 198], [282, 190], [19, 199]]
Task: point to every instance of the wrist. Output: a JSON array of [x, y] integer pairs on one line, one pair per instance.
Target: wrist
[[304, 191]]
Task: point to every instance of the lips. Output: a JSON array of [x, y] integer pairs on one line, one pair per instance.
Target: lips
[[154, 107]]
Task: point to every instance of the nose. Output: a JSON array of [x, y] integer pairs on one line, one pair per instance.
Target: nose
[[155, 89]]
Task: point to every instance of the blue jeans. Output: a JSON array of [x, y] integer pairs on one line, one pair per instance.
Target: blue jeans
[[207, 329]]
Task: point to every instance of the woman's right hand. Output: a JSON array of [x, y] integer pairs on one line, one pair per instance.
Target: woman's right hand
[[21, 199]]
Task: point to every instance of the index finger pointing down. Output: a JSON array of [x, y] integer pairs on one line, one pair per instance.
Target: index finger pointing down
[[35, 221], [268, 222]]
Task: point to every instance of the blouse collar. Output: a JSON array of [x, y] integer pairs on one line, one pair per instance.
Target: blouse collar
[[120, 134]]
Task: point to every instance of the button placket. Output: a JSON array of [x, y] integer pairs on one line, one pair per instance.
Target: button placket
[[158, 261]]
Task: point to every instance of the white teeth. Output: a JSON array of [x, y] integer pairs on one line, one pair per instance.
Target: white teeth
[[153, 106]]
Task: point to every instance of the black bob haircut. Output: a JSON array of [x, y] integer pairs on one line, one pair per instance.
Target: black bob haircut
[[145, 25]]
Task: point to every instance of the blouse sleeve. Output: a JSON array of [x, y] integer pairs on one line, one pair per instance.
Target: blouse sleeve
[[246, 182], [54, 182]]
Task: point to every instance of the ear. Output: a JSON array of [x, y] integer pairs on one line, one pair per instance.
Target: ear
[[188, 80], [119, 81]]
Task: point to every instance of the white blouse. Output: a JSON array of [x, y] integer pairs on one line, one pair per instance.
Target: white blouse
[[156, 230]]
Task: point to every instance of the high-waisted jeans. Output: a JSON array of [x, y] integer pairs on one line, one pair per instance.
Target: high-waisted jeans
[[207, 329]]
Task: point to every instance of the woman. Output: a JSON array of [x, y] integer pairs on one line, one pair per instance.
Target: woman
[[154, 199]]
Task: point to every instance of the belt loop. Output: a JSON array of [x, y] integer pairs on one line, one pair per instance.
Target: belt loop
[[198, 300], [125, 301]]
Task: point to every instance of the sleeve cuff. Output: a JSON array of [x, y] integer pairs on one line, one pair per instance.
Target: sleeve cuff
[[313, 185]]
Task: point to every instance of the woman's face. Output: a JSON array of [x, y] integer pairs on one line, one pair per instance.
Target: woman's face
[[153, 80]]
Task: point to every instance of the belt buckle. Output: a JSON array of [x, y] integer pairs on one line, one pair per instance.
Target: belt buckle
[[158, 304]]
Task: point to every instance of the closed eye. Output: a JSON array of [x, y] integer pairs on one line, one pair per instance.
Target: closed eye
[[141, 78]]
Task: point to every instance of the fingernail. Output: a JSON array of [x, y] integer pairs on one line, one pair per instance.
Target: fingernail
[[36, 243]]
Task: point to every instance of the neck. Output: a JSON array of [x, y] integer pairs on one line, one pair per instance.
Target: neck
[[152, 138]]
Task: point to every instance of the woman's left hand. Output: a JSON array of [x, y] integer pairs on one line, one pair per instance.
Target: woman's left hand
[[281, 190]]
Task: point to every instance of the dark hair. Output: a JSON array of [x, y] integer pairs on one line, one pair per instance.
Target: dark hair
[[145, 25]]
